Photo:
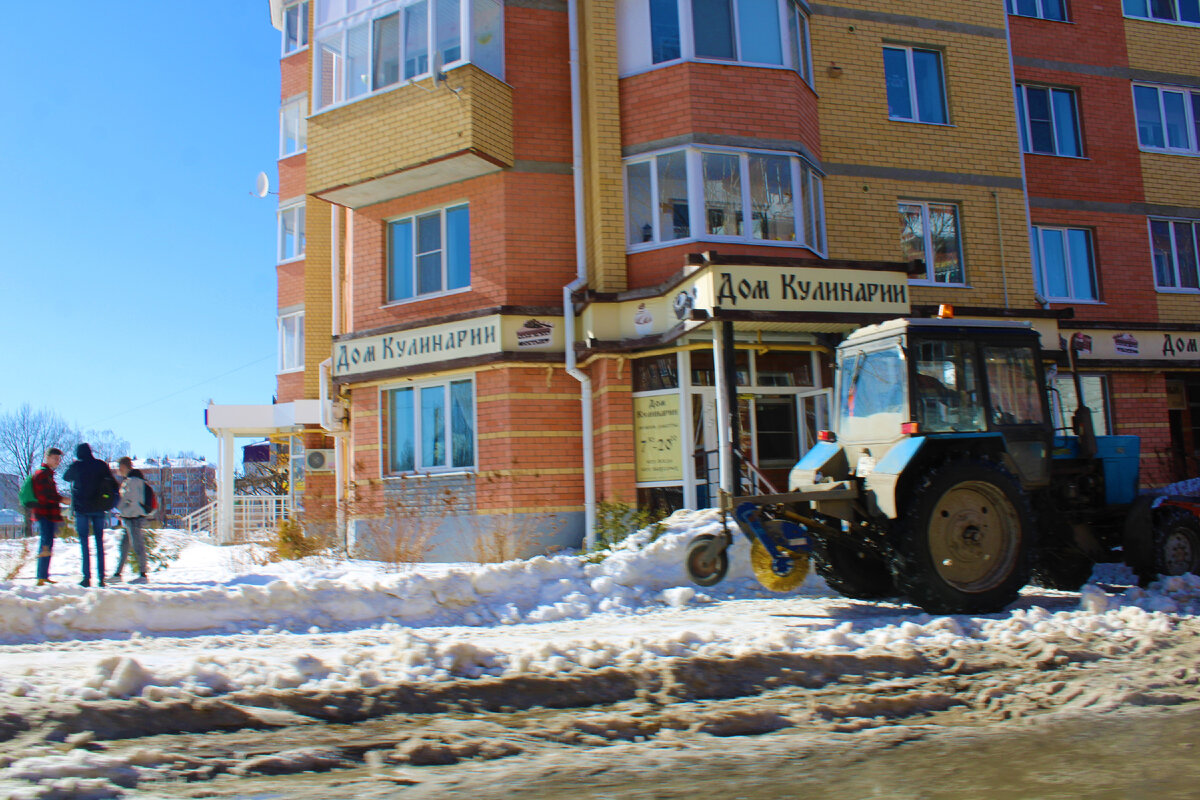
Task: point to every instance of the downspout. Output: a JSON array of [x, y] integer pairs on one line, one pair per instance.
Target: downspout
[[585, 382], [337, 213]]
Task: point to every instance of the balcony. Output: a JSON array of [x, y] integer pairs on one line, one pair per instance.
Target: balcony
[[413, 138]]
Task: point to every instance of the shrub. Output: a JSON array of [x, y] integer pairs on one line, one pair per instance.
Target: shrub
[[615, 521], [291, 543]]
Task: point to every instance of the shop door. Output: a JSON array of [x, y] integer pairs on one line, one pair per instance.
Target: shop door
[[704, 447]]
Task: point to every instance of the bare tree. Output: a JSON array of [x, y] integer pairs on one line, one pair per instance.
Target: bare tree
[[105, 445], [25, 435]]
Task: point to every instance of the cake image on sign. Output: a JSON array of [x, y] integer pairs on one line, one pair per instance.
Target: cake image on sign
[[1126, 344], [534, 333], [1081, 342], [643, 320]]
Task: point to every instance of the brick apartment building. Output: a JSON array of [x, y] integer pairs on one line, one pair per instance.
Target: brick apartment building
[[786, 171], [183, 485]]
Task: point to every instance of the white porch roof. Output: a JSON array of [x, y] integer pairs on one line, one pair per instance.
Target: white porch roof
[[261, 420]]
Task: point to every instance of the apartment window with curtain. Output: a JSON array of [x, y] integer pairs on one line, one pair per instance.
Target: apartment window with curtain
[[295, 27], [718, 195], [930, 232], [291, 232], [363, 48], [1064, 264], [430, 427], [916, 86], [1048, 121], [429, 254], [1168, 118], [1174, 245], [754, 32], [1182, 11], [1042, 9], [293, 126], [291, 342]]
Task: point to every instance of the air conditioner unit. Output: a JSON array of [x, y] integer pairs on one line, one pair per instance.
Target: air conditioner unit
[[319, 460]]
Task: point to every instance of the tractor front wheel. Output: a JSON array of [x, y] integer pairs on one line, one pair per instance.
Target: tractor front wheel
[[963, 542], [1176, 542]]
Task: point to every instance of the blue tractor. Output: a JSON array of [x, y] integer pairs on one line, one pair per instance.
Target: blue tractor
[[947, 481]]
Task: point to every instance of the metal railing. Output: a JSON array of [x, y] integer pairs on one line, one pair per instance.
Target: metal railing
[[203, 519], [253, 515]]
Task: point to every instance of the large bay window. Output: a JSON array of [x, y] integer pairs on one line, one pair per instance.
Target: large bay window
[[429, 254], [430, 427], [755, 32], [757, 197], [369, 47]]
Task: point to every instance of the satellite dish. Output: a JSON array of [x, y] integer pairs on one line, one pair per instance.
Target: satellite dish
[[262, 185]]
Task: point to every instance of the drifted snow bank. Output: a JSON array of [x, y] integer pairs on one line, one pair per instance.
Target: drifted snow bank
[[637, 573]]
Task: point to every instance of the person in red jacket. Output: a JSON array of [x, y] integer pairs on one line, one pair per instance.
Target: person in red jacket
[[47, 511]]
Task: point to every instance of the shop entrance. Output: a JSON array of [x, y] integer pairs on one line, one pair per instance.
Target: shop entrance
[[776, 430]]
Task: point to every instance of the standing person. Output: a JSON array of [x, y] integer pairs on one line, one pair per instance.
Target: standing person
[[93, 494], [47, 511], [133, 509]]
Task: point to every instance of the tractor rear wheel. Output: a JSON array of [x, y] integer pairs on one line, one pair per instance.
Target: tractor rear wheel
[[963, 542], [853, 572], [1176, 542]]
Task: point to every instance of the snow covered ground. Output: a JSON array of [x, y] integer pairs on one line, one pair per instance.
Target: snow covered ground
[[218, 621]]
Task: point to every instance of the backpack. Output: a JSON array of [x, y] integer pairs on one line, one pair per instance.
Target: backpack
[[150, 499], [27, 497], [108, 492]]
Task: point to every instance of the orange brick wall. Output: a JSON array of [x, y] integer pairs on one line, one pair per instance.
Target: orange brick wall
[[612, 409], [1139, 406]]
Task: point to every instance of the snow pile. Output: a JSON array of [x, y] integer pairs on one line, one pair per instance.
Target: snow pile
[[637, 573], [79, 775]]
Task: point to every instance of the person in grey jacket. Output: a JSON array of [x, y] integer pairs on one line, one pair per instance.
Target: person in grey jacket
[[133, 510]]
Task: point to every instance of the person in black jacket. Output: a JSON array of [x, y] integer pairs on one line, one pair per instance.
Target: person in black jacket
[[93, 494]]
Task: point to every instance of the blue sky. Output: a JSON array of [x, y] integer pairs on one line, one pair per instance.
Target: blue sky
[[138, 270]]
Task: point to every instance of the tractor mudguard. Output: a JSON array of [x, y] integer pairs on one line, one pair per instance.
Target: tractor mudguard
[[880, 483], [826, 459]]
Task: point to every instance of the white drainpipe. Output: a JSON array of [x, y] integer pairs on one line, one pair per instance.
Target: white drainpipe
[[325, 372], [585, 383]]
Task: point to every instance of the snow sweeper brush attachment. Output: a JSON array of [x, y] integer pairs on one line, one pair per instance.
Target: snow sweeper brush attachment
[[778, 549]]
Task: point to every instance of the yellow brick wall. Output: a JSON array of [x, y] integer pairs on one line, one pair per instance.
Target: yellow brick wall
[[1171, 179], [604, 190], [989, 14], [982, 136], [1162, 47], [318, 294], [1178, 308], [409, 126]]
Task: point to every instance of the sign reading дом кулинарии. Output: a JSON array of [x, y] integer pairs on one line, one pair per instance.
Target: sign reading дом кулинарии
[[755, 288], [431, 344]]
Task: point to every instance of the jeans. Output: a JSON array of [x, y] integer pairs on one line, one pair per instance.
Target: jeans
[[96, 523], [46, 526], [133, 533]]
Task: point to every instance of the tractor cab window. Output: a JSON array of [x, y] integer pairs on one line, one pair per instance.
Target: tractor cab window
[[1015, 395], [872, 393], [946, 390]]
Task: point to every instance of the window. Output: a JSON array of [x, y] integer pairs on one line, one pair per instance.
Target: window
[[295, 27], [945, 390], [291, 342], [872, 391], [293, 127], [1013, 390], [766, 32], [1173, 248], [757, 197], [1042, 9], [291, 232], [429, 254], [1064, 266], [1187, 11], [1049, 121], [365, 48], [1168, 118], [915, 87], [431, 427], [929, 232], [1065, 403]]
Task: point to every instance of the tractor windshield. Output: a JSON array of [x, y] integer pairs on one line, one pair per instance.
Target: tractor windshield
[[872, 395], [946, 389]]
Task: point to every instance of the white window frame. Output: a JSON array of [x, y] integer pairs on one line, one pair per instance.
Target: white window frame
[[1176, 20], [445, 251], [927, 239], [912, 84], [294, 209], [385, 427], [1189, 110], [1040, 264], [1011, 6], [636, 14], [1178, 287], [805, 202], [297, 105], [303, 18], [338, 28], [296, 319], [1027, 128]]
